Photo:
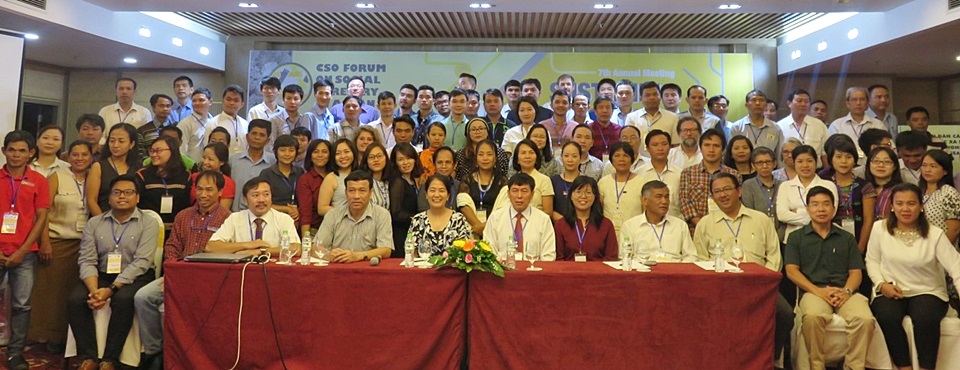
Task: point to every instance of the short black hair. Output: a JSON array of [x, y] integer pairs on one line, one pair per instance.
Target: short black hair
[[531, 81], [202, 90], [259, 123], [649, 85], [235, 89], [724, 175], [496, 92], [426, 88], [876, 86], [292, 89], [602, 99], [656, 132], [872, 136], [470, 76], [625, 147], [270, 81], [253, 184], [321, 82], [121, 79], [405, 119], [183, 78], [817, 190], [94, 119], [917, 109], [409, 87], [793, 93], [284, 141], [360, 175], [18, 136], [712, 132], [301, 131], [386, 95], [457, 92], [216, 176], [521, 179], [911, 140], [221, 130], [673, 86], [174, 129], [511, 83], [605, 81], [842, 146], [128, 177], [693, 87], [155, 98]]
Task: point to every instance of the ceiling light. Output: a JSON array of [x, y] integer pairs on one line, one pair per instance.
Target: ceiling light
[[795, 54], [822, 46], [853, 34], [603, 6], [31, 36], [729, 6], [144, 31], [130, 60], [177, 42], [481, 6], [248, 5], [365, 5], [958, 58], [204, 50]]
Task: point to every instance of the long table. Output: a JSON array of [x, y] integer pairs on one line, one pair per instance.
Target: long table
[[335, 317], [591, 316], [568, 316]]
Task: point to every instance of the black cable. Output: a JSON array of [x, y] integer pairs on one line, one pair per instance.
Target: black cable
[[276, 337], [207, 319]]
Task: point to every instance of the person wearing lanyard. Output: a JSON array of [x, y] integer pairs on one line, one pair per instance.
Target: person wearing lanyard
[[196, 127], [386, 104], [165, 187], [28, 194], [191, 230], [855, 212], [911, 147], [61, 239], [477, 132], [651, 117], [456, 123], [559, 128], [855, 123], [808, 129], [118, 157], [256, 230], [660, 169], [619, 191], [438, 227], [404, 190], [570, 158], [882, 174], [760, 193], [733, 223], [116, 260], [655, 228], [493, 106], [230, 119], [376, 162], [791, 198], [125, 110], [522, 223], [761, 131], [605, 131], [583, 234], [485, 182], [283, 175]]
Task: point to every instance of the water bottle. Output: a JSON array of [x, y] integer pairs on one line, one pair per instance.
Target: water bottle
[[305, 247], [719, 265], [409, 248], [511, 257], [626, 249], [285, 256]]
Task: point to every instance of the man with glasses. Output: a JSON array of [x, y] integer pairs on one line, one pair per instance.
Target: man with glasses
[[733, 224], [116, 260], [857, 121], [808, 129], [581, 104], [688, 153], [356, 87], [719, 106]]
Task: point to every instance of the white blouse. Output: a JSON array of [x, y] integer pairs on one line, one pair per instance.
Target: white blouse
[[917, 269], [792, 202]]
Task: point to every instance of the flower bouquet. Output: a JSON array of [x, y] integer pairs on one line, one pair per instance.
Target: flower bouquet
[[469, 255]]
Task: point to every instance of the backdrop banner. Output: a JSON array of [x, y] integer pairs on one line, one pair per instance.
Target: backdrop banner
[[727, 74]]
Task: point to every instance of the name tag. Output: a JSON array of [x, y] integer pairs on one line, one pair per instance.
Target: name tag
[[482, 215], [81, 222], [580, 257], [606, 157], [848, 225], [712, 206], [10, 223], [114, 262], [166, 204]]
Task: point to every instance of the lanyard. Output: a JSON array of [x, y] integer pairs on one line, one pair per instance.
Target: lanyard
[[663, 231], [558, 131], [665, 167], [236, 127], [293, 188], [580, 235], [113, 232], [854, 127], [602, 137], [196, 117], [800, 193], [915, 177], [483, 191], [385, 137], [166, 190], [517, 236], [16, 189], [756, 134], [206, 226], [124, 118], [384, 192], [295, 124], [81, 189], [736, 235], [616, 187], [803, 134], [651, 123], [767, 195], [114, 165]]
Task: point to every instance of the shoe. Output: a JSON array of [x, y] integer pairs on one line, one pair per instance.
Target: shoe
[[151, 362], [106, 365], [88, 364], [56, 348], [17, 362]]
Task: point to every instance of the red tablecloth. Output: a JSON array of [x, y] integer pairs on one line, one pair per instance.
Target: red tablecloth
[[335, 317], [590, 316]]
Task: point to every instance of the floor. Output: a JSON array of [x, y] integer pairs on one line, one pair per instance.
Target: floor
[[41, 359]]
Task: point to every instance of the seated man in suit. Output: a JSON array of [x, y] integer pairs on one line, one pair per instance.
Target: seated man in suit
[[823, 260], [528, 226], [116, 260]]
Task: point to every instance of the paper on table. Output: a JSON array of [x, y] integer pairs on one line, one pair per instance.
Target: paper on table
[[636, 266], [312, 260], [708, 265]]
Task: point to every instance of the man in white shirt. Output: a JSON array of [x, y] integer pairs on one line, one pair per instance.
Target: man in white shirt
[[270, 89], [356, 231], [879, 103], [512, 91], [659, 169], [124, 110], [655, 228], [196, 127], [257, 228], [670, 95], [581, 106], [857, 121], [697, 101], [230, 119], [625, 99], [911, 147], [809, 130], [384, 125], [652, 117], [759, 129], [528, 226], [688, 153]]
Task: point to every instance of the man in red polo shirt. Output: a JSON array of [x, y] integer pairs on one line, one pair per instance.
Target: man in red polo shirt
[[27, 193]]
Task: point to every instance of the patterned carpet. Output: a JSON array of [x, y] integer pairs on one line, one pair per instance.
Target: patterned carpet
[[41, 359]]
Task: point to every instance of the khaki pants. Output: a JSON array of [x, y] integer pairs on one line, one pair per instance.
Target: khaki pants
[[817, 313]]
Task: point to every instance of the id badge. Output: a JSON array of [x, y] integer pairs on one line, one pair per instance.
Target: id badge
[[617, 219], [848, 225], [166, 204], [114, 262], [606, 157], [482, 215], [81, 222], [580, 257], [10, 223], [712, 206]]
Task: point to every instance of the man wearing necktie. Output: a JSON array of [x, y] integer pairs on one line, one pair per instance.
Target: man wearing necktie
[[528, 226], [257, 229]]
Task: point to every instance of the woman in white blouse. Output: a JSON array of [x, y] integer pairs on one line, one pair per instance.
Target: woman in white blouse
[[792, 195], [620, 191], [526, 159], [906, 258]]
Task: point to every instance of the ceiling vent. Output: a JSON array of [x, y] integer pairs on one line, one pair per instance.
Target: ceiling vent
[[953, 4], [39, 4]]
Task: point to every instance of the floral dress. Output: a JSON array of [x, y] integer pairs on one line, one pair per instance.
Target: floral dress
[[438, 241]]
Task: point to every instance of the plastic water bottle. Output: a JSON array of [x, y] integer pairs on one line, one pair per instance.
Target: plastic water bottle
[[719, 265], [409, 248], [511, 257], [285, 256], [626, 249], [305, 247]]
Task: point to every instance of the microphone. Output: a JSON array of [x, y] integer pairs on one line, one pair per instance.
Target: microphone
[[374, 261]]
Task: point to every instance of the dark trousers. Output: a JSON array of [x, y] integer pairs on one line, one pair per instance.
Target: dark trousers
[[80, 317], [925, 311], [785, 317]]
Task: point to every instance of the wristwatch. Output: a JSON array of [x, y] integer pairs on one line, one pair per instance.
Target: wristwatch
[[263, 250], [114, 289], [365, 257], [849, 292]]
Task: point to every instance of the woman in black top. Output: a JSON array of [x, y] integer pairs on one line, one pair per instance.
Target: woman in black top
[[165, 184], [118, 157], [404, 189], [283, 176], [485, 182]]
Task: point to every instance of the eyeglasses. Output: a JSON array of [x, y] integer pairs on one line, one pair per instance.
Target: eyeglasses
[[583, 194], [377, 156], [478, 129], [762, 163], [719, 105], [689, 130], [724, 190], [157, 150], [128, 192], [877, 162]]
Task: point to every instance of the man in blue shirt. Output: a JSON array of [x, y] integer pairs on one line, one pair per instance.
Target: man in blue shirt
[[248, 164]]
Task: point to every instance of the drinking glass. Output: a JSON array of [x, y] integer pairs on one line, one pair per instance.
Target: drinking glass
[[532, 255], [736, 253], [644, 251], [425, 250]]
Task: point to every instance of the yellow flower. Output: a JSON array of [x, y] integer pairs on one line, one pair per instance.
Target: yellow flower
[[485, 247], [459, 243]]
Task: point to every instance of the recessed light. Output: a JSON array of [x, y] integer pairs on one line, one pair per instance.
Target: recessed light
[[729, 6], [31, 36], [177, 41], [130, 60], [822, 46], [481, 6], [204, 50], [958, 58], [603, 6], [248, 5], [145, 32], [852, 34], [795, 54], [365, 5]]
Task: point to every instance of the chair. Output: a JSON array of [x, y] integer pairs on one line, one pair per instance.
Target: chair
[[948, 357], [835, 344], [130, 355]]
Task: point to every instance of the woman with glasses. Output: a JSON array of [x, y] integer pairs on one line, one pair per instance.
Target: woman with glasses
[[439, 226], [737, 156], [882, 174], [583, 234], [165, 184], [117, 158], [375, 161], [792, 195], [283, 176], [788, 172], [477, 132], [941, 201], [760, 192]]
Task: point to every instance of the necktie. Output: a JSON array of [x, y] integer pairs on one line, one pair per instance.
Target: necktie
[[259, 222], [518, 232]]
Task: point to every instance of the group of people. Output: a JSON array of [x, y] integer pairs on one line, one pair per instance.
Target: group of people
[[564, 183]]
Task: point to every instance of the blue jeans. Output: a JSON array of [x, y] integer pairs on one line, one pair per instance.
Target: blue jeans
[[21, 287], [149, 304]]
